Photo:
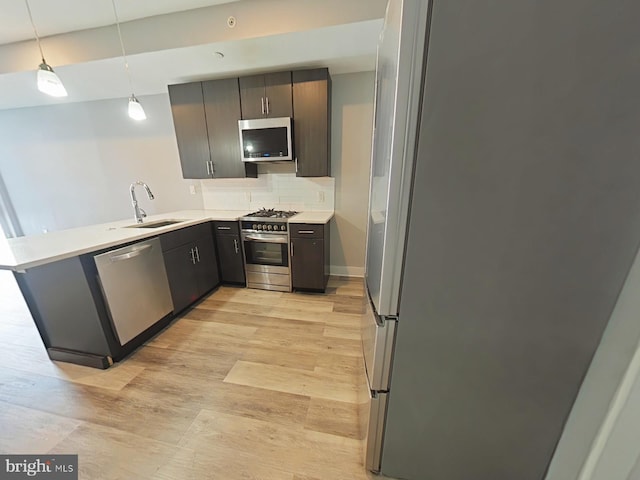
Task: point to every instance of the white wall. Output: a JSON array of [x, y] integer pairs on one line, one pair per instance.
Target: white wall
[[351, 128], [71, 165]]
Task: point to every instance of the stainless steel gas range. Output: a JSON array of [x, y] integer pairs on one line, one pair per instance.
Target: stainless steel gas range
[[265, 237]]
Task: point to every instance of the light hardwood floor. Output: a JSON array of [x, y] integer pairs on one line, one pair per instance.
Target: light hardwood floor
[[249, 384]]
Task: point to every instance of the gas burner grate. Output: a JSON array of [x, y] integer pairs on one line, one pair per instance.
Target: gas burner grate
[[272, 213]]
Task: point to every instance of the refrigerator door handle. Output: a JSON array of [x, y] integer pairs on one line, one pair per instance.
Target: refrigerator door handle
[[378, 336]]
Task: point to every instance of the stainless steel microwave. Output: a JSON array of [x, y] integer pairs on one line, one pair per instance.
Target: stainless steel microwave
[[266, 139]]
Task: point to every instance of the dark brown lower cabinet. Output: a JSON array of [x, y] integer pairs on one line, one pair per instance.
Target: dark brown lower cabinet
[[192, 265], [309, 256], [230, 256], [182, 281]]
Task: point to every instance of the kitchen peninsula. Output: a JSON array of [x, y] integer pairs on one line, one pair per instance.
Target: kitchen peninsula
[[71, 298]]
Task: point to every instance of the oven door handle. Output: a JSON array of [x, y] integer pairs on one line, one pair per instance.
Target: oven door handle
[[267, 238]]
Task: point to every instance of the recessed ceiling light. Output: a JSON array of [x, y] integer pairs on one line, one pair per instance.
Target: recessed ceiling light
[[219, 54]]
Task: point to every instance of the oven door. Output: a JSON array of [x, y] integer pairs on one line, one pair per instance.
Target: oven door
[[267, 250], [266, 260]]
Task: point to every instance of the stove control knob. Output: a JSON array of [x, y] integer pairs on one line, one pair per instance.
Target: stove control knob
[[283, 227], [254, 226], [269, 227], [259, 227]]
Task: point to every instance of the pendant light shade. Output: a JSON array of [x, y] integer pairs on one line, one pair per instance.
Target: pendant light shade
[[49, 82], [135, 109]]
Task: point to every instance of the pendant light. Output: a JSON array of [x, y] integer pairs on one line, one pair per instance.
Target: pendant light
[[135, 107], [48, 81]]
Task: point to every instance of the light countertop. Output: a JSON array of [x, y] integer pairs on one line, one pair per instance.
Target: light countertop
[[312, 217], [21, 253], [27, 252]]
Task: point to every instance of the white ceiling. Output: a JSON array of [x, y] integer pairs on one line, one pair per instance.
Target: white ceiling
[[52, 17], [179, 45]]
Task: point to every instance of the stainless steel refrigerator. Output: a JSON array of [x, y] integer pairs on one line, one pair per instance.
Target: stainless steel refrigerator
[[504, 216]]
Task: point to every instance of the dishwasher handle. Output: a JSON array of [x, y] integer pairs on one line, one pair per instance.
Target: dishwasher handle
[[133, 253]]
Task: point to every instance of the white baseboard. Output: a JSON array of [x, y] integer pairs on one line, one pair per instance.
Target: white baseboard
[[346, 271]]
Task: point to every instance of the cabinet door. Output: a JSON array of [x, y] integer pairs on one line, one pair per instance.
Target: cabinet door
[[252, 96], [311, 103], [222, 109], [307, 263], [187, 108], [230, 258], [278, 94], [207, 276], [181, 273]]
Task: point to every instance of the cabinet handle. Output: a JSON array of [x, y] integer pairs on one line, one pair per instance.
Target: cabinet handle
[[223, 228], [296, 164], [208, 169], [262, 102], [193, 257], [267, 102], [306, 231], [235, 244], [291, 248], [197, 254], [213, 169]]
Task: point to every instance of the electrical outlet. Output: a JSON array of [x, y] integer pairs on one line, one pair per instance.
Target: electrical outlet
[[192, 189], [320, 196]]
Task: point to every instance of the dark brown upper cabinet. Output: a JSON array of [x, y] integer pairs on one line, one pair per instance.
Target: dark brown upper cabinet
[[267, 95], [189, 121], [205, 118], [222, 111], [312, 122], [206, 114]]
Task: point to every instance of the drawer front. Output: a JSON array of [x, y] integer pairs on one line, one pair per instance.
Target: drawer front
[[226, 228], [174, 239], [306, 230], [268, 279], [180, 237], [199, 231]]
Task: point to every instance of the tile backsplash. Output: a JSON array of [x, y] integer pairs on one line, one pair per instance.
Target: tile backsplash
[[275, 187]]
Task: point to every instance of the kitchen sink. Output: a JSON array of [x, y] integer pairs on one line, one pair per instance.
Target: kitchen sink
[[159, 223]]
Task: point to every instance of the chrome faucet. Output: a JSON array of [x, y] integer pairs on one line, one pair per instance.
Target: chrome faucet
[[139, 213]]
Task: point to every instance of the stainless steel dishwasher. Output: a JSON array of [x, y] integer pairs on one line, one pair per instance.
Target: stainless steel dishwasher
[[135, 287]]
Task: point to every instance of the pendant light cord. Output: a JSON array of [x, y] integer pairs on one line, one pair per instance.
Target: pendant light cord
[[35, 31], [124, 55]]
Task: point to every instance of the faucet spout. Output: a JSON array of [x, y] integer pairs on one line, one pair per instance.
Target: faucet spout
[[139, 213]]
